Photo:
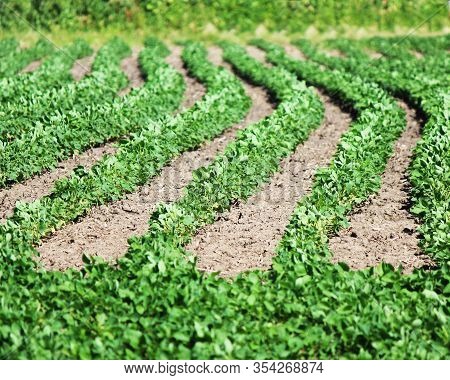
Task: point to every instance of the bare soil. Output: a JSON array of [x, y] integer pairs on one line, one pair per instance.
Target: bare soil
[[298, 54], [41, 185], [294, 52], [130, 67], [106, 229], [194, 89], [256, 53], [82, 67], [334, 53], [382, 229], [32, 66], [373, 54], [246, 237]]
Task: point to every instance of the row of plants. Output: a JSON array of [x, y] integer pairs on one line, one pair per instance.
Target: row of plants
[[19, 272], [431, 162], [29, 118], [355, 171], [388, 48], [430, 198], [146, 151], [305, 306], [424, 45], [430, 45], [398, 53], [156, 304], [39, 131], [247, 162], [52, 73], [14, 60], [430, 68]]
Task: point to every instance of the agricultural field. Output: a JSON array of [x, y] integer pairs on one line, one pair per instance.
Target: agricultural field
[[225, 200]]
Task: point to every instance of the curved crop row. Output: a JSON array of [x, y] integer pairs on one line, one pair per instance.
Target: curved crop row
[[425, 45], [54, 72], [148, 150], [247, 162], [31, 118], [389, 49], [282, 129], [400, 58], [60, 131], [297, 310], [355, 171], [13, 62], [431, 162], [431, 69]]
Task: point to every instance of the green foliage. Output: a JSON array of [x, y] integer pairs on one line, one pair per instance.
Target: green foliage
[[156, 304], [425, 45], [54, 72], [40, 129], [247, 162], [15, 60], [8, 46], [25, 116], [241, 15], [425, 85], [153, 144]]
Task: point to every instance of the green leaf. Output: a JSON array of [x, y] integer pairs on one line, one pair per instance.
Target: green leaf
[[301, 281]]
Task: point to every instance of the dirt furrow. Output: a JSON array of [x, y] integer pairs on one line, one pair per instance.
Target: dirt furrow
[[82, 67], [256, 53], [32, 66], [335, 53], [373, 54], [130, 67], [382, 229], [246, 237], [294, 52], [194, 89], [106, 229], [41, 185]]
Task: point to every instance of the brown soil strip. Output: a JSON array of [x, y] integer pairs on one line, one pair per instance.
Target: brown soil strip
[[106, 229], [32, 66], [373, 54], [382, 229], [256, 53], [294, 52], [246, 237], [417, 54], [41, 185], [130, 67], [194, 89], [82, 67], [334, 53]]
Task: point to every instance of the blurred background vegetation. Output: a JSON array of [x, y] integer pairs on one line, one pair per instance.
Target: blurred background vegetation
[[240, 16]]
